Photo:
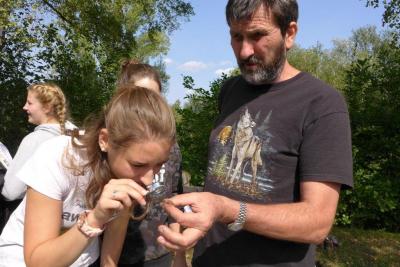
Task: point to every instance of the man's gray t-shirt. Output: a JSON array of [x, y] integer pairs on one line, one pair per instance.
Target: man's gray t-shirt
[[266, 140]]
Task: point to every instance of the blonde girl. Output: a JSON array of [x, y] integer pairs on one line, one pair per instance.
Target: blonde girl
[[77, 187], [46, 107], [139, 246]]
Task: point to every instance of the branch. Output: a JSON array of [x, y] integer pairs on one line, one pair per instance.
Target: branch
[[73, 25], [2, 38], [58, 13]]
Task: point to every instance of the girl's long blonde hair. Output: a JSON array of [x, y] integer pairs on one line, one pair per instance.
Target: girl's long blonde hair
[[50, 95], [133, 115]]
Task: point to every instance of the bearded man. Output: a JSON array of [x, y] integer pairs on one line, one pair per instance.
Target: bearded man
[[273, 187]]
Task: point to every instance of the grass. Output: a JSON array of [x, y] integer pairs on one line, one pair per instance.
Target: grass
[[359, 248]]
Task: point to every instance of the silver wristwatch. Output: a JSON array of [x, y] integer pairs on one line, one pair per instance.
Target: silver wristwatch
[[240, 220]]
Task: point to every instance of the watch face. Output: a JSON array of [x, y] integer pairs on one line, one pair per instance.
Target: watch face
[[235, 226]]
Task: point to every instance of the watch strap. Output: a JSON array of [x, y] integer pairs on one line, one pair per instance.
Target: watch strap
[[85, 228], [241, 218]]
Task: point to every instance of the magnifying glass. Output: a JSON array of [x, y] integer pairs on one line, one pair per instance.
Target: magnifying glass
[[156, 194]]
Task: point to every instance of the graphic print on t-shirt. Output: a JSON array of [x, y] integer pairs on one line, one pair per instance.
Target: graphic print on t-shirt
[[74, 203], [237, 163]]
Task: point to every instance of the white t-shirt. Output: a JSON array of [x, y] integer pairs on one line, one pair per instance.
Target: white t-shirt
[[45, 172]]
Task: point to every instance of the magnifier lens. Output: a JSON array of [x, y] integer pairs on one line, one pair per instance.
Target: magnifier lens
[[156, 192], [156, 195]]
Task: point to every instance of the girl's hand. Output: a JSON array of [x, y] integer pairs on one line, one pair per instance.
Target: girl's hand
[[117, 195]]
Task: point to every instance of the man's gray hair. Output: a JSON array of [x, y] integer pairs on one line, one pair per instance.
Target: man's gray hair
[[284, 11]]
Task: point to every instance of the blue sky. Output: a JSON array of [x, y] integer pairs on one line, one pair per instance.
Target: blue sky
[[201, 47]]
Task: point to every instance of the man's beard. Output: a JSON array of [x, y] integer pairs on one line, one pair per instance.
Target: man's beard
[[265, 72]]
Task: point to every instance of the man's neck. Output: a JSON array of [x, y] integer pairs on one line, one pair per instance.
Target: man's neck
[[287, 73]]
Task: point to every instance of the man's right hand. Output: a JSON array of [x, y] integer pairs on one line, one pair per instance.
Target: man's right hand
[[206, 209]]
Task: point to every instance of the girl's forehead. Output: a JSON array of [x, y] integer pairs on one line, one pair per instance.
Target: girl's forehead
[[148, 149], [32, 95]]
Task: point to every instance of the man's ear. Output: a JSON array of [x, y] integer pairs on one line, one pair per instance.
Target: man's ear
[[290, 35], [103, 140]]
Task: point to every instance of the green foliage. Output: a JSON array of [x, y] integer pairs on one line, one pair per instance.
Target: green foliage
[[15, 66], [78, 45], [196, 120], [321, 63], [97, 36], [13, 126], [373, 93], [391, 15], [331, 65], [362, 43]]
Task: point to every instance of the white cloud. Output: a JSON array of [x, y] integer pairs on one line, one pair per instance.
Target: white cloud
[[226, 71], [168, 61], [193, 66], [225, 63]]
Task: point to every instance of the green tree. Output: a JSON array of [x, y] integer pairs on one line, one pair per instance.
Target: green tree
[[195, 125], [330, 65], [391, 15], [15, 66], [372, 91], [79, 45], [320, 62], [221, 166], [98, 35]]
